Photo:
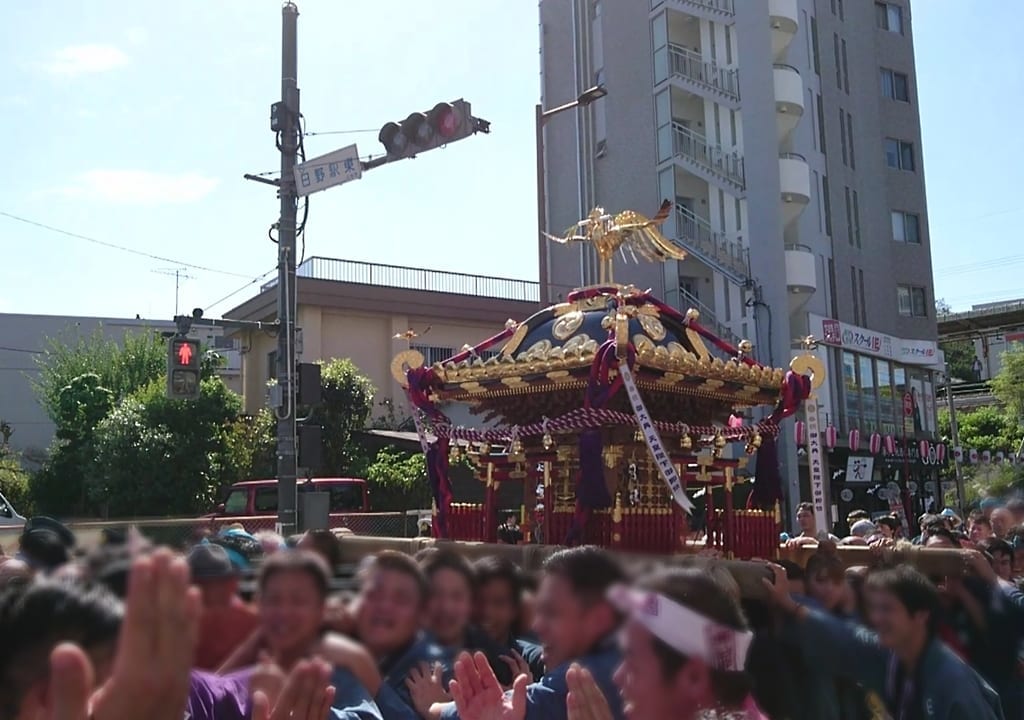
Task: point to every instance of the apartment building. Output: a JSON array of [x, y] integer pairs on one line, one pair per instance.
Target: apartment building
[[787, 134]]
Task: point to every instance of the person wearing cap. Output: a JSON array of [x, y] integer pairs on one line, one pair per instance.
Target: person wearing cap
[[902, 660], [226, 621], [864, 529]]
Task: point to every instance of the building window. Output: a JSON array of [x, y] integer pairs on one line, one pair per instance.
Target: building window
[[821, 126], [849, 216], [828, 205], [839, 63], [899, 154], [814, 45], [889, 16], [433, 354], [855, 294], [856, 219], [863, 298], [842, 133], [849, 140], [911, 301], [895, 85], [846, 74], [906, 227], [851, 391], [842, 15], [272, 365]]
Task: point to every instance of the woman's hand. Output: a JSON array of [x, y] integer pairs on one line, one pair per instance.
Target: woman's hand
[[426, 686]]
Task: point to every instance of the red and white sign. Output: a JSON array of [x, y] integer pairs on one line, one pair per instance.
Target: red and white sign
[[908, 405]]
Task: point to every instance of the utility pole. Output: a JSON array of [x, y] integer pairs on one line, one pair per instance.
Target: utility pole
[[179, 275], [954, 432], [289, 128]]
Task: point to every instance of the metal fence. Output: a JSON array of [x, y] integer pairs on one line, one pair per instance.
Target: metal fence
[[183, 532]]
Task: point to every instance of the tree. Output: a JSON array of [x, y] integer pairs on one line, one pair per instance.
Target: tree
[[347, 403], [398, 481], [252, 447], [1008, 385], [80, 380], [959, 354], [154, 455]]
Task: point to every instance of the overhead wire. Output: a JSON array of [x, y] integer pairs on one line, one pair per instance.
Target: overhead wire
[[122, 248], [240, 289]]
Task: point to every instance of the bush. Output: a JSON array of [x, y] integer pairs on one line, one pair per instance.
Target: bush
[[14, 483], [398, 481]]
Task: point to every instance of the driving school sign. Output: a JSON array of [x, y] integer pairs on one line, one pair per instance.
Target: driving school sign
[[932, 459]]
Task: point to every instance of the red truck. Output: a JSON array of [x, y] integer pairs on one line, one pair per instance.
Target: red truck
[[253, 503]]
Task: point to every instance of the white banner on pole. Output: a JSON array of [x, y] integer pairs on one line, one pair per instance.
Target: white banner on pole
[[815, 464], [661, 457]]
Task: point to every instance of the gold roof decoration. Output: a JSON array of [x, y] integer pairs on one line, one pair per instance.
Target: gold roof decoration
[[628, 230]]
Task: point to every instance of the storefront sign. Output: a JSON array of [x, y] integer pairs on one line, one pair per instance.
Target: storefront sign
[[920, 462], [871, 342], [859, 468], [815, 462]]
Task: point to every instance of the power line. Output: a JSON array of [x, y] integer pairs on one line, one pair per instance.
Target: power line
[[981, 265], [235, 292], [122, 248], [341, 132], [23, 350]]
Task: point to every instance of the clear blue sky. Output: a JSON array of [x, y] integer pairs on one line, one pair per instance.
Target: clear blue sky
[[132, 123]]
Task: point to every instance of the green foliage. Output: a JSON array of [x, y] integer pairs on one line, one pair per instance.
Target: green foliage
[[960, 359], [347, 403], [14, 482], [80, 380], [1008, 385], [252, 447], [398, 481], [984, 428], [155, 455], [122, 367]]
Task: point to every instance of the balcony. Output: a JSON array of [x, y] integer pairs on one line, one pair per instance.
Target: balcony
[[801, 275], [728, 257], [721, 11], [712, 163], [789, 98], [696, 75], [784, 16], [795, 185]]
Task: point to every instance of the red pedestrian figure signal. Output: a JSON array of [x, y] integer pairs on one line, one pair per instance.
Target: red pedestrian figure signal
[[183, 371]]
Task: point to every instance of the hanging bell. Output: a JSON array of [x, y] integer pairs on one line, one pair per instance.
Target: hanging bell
[[638, 436], [719, 441], [455, 454], [548, 441], [751, 448], [517, 448], [685, 442], [756, 440]]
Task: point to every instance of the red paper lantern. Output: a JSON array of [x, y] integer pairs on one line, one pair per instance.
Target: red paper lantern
[[854, 440], [890, 445], [875, 444], [924, 446], [940, 452], [830, 436], [800, 432]]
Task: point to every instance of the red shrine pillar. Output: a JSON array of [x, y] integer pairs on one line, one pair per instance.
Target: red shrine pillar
[[490, 510]]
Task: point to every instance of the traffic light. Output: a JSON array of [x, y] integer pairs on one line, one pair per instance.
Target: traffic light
[[422, 131], [183, 368]]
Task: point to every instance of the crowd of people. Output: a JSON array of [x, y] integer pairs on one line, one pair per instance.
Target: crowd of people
[[126, 631]]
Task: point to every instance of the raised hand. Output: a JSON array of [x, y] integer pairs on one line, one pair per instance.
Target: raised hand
[[426, 686], [71, 679], [151, 671], [518, 665], [478, 696], [585, 700], [306, 695]]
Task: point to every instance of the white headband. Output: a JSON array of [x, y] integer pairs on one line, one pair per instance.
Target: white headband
[[688, 632]]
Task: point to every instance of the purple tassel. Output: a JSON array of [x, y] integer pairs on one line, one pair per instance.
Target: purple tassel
[[767, 488], [440, 485], [591, 489]]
